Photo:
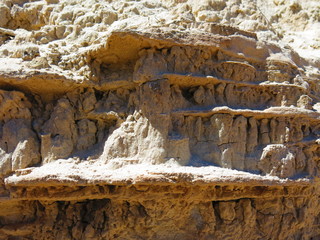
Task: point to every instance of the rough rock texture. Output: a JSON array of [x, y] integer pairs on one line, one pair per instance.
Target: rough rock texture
[[159, 119]]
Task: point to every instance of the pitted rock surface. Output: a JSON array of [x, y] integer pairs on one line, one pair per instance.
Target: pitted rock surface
[[159, 119]]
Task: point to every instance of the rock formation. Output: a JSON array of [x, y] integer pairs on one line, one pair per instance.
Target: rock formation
[[159, 120]]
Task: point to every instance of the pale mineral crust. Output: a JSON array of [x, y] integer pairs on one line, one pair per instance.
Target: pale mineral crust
[[159, 119]]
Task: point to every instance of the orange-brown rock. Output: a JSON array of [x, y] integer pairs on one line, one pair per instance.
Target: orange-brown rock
[[192, 123]]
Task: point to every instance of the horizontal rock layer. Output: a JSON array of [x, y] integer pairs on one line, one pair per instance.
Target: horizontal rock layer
[[155, 133]]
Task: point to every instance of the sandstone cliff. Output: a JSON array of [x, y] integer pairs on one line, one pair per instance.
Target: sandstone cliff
[[159, 119]]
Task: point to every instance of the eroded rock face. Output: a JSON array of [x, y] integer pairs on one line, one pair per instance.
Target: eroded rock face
[[19, 143], [169, 130], [121, 219]]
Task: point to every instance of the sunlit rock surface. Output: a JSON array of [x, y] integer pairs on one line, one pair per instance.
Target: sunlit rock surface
[[159, 119]]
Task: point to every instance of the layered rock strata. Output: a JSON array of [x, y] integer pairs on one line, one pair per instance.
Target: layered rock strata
[[160, 134]]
